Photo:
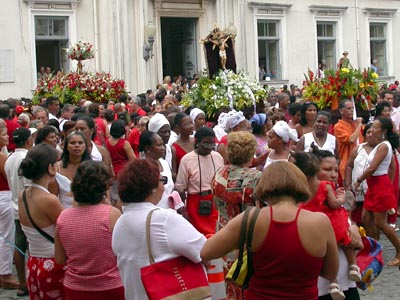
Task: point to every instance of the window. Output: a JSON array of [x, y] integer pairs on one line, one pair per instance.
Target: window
[[377, 35], [268, 48], [51, 40], [326, 37], [51, 28]]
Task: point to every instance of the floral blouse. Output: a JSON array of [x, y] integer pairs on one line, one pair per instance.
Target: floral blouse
[[233, 188]]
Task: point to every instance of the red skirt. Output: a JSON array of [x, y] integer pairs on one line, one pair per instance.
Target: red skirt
[[205, 224], [380, 195]]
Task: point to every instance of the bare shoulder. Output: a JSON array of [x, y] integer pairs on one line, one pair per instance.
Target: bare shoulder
[[315, 218]]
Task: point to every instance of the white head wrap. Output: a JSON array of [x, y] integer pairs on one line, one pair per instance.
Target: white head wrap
[[156, 122], [195, 112], [233, 119], [283, 130], [223, 117]]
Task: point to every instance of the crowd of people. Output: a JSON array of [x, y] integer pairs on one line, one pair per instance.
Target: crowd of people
[[78, 182]]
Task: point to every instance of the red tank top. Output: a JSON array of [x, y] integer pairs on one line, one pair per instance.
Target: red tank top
[[180, 153], [3, 183], [118, 155], [283, 269]]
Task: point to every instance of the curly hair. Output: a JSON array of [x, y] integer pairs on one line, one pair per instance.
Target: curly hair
[[241, 147], [137, 180], [37, 161], [43, 133], [90, 182]]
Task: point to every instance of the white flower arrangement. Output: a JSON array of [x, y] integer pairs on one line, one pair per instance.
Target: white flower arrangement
[[229, 89]]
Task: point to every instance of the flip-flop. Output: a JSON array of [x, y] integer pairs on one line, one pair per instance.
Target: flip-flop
[[394, 263], [22, 291]]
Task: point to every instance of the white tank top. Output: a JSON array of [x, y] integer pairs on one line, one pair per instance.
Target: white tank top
[[39, 246], [329, 145], [384, 166]]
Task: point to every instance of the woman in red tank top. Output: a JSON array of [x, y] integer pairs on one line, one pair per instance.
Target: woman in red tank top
[[291, 246]]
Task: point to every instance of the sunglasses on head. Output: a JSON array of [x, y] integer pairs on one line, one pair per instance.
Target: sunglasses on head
[[164, 180]]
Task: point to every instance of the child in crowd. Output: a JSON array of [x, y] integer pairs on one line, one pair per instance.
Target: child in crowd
[[319, 168]]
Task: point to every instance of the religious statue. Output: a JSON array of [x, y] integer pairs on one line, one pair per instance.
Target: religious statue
[[223, 57], [344, 61]]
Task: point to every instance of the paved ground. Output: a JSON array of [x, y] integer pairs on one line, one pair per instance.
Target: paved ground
[[385, 287]]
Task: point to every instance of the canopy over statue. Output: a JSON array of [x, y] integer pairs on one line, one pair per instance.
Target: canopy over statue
[[219, 51]]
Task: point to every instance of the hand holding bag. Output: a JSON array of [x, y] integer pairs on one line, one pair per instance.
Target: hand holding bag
[[176, 278], [242, 269]]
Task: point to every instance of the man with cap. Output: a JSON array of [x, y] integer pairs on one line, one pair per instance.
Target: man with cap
[[23, 142], [160, 125]]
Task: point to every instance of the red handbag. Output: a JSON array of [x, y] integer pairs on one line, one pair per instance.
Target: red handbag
[[176, 278]]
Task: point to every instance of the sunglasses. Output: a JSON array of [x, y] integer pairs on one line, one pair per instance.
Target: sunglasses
[[164, 180]]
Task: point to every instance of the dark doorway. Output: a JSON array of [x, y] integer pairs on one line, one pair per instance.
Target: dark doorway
[[179, 46]]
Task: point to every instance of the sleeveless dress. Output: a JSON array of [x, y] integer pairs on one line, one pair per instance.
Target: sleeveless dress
[[118, 155], [338, 216], [180, 153], [283, 269]]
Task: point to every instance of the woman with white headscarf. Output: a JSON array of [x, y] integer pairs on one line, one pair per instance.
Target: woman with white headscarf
[[235, 121], [159, 124], [278, 138], [198, 117], [219, 129]]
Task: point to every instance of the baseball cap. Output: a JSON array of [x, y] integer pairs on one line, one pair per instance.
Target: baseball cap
[[21, 135]]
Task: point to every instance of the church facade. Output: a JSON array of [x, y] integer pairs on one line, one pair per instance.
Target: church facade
[[142, 41]]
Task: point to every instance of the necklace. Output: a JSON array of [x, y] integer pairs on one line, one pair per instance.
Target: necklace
[[319, 142], [40, 187], [285, 203]]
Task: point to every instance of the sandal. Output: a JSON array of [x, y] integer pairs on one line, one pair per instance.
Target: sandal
[[354, 273], [22, 291], [336, 292], [394, 263]]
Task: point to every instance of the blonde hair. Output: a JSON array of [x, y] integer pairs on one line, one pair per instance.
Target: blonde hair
[[241, 147], [282, 179]]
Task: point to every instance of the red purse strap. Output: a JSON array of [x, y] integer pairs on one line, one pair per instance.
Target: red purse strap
[[148, 220]]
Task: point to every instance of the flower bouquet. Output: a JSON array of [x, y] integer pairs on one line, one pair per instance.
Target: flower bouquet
[[341, 84], [72, 87], [225, 89], [80, 51]]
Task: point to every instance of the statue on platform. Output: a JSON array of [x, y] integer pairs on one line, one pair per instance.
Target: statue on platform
[[344, 61], [219, 51]]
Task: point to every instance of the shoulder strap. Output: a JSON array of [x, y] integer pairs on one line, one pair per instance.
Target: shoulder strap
[[43, 233], [241, 242], [248, 244], [148, 220]]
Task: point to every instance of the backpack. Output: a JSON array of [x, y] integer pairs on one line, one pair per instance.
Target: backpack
[[370, 261]]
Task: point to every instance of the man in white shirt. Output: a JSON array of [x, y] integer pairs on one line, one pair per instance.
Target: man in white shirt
[[53, 107], [23, 141]]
